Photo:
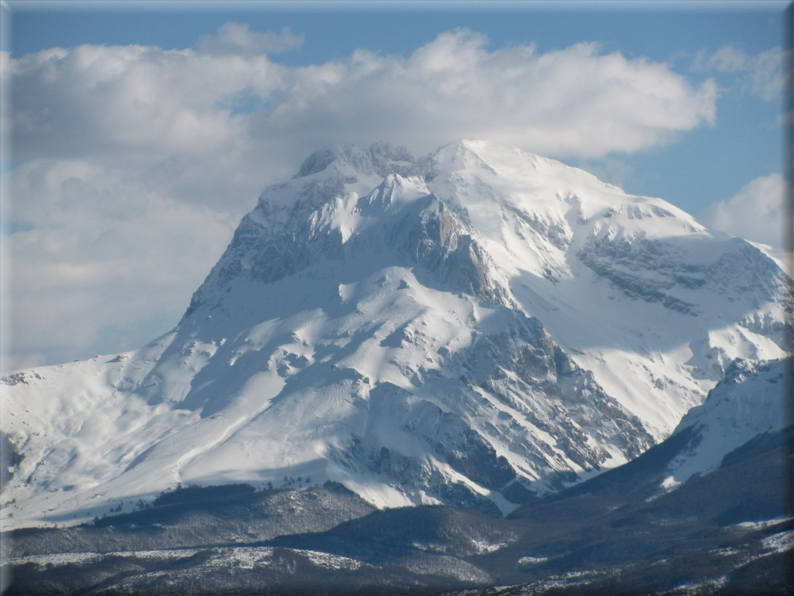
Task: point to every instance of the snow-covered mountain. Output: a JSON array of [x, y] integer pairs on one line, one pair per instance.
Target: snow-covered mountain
[[743, 430], [475, 328], [753, 399]]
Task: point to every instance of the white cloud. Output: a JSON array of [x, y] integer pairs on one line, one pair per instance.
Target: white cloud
[[137, 162], [728, 59], [107, 254], [758, 212], [238, 39], [96, 99], [571, 102], [764, 75]]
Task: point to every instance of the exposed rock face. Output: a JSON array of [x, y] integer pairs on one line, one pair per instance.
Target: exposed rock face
[[654, 271], [434, 238]]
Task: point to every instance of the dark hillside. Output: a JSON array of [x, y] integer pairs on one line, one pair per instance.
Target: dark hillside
[[620, 533]]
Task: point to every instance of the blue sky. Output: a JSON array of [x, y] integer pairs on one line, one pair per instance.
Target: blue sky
[[703, 130]]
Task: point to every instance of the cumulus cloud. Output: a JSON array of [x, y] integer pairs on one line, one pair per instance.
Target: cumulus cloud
[[764, 75], [571, 102], [95, 99], [758, 212], [137, 162]]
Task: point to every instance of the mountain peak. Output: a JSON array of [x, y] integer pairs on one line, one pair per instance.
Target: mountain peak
[[379, 158], [507, 160]]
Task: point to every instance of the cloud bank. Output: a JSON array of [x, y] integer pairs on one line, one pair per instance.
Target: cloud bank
[[137, 162]]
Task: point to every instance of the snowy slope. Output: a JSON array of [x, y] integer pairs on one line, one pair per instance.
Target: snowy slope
[[752, 399], [473, 328]]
